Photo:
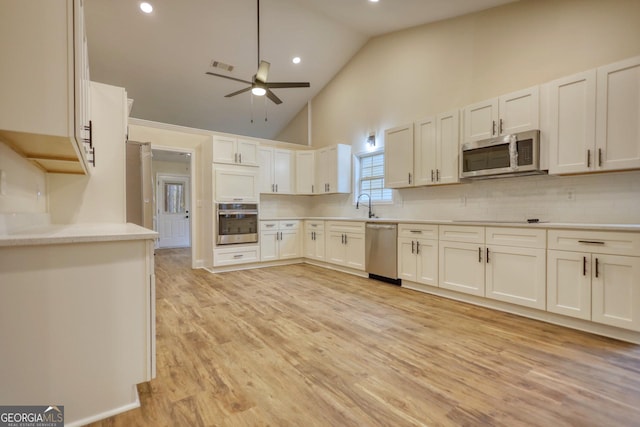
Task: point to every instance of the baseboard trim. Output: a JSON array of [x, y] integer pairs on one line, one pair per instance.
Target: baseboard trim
[[106, 414]]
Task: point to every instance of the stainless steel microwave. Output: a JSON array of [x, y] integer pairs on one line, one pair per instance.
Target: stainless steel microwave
[[509, 155]]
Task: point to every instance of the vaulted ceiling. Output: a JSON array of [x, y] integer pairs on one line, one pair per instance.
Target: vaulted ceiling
[[161, 58]]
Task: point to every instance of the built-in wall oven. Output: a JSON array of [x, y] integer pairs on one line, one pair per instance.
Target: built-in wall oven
[[237, 223]]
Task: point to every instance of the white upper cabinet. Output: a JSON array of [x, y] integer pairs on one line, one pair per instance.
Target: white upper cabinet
[[447, 148], [398, 156], [230, 150], [305, 172], [333, 169], [593, 120], [425, 147], [44, 107], [277, 170], [618, 116], [515, 112], [235, 184], [572, 123]]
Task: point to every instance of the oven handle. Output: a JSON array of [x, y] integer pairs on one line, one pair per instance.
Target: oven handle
[[247, 212]]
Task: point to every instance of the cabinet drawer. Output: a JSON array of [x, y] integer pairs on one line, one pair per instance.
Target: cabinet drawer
[[460, 233], [289, 224], [519, 237], [603, 242], [268, 225], [346, 226], [314, 225], [241, 255], [418, 231]]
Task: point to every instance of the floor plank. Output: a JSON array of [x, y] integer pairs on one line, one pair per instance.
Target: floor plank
[[302, 345]]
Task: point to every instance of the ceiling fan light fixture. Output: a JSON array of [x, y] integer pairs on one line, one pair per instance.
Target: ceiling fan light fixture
[[296, 60], [258, 91], [146, 7]]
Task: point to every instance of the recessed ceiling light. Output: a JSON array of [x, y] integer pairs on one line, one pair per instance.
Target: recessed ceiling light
[[146, 7], [296, 60], [373, 1]]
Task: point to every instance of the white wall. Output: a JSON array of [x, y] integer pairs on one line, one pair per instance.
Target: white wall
[[99, 197], [401, 77], [161, 135]]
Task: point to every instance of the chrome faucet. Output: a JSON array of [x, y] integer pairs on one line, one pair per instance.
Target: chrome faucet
[[371, 215]]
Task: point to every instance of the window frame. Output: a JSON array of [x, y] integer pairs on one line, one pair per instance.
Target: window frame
[[357, 176]]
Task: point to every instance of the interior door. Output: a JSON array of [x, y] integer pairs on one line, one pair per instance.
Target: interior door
[[173, 201]]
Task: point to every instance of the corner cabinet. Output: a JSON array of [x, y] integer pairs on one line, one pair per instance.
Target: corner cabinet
[[333, 169], [305, 172], [44, 107], [314, 240]]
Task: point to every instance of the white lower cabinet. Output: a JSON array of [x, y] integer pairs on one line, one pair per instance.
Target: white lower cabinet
[[461, 261], [418, 253], [314, 240], [345, 244], [235, 255], [595, 276], [279, 240]]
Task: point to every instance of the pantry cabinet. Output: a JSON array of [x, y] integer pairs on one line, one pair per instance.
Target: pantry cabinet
[[314, 240], [333, 169], [277, 170], [235, 151], [44, 107], [515, 112], [279, 240], [345, 244], [595, 276], [418, 253]]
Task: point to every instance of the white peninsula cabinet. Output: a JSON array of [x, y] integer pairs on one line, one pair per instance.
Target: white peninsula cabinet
[[593, 120], [595, 275], [235, 151], [515, 112], [44, 107], [277, 170], [280, 240], [314, 240], [345, 244], [418, 253]]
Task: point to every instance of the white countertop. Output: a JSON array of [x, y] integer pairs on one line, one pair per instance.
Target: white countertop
[[75, 233], [484, 223]]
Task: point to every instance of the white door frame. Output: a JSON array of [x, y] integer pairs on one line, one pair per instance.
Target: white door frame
[[192, 209], [161, 176]]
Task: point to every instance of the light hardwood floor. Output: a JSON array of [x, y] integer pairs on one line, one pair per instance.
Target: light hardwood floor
[[305, 346]]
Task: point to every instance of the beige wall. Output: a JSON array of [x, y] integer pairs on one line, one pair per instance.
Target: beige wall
[[404, 76], [161, 135], [297, 132], [100, 196], [171, 168], [23, 186]]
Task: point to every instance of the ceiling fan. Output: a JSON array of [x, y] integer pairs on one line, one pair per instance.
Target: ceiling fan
[[259, 85]]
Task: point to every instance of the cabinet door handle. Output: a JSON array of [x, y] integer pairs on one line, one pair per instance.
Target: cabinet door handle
[[312, 190], [239, 157], [487, 256], [501, 123], [345, 239], [235, 158], [479, 254], [431, 175], [417, 248], [409, 177], [342, 237], [597, 268], [413, 247], [588, 158], [591, 242], [493, 128], [584, 265], [238, 256], [599, 156], [438, 175]]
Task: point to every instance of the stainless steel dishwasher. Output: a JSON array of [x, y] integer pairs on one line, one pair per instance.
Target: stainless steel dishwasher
[[381, 251]]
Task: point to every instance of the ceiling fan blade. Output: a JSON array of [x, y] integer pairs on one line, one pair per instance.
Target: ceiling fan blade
[[227, 77], [282, 85], [238, 92], [272, 96], [263, 71]]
